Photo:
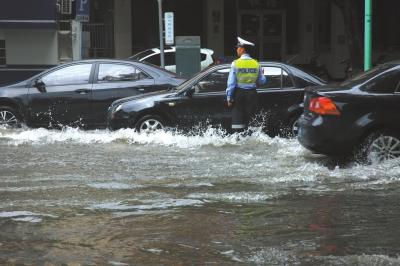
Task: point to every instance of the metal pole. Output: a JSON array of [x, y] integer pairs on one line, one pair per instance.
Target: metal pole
[[367, 35], [160, 25]]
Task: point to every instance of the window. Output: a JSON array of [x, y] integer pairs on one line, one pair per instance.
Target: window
[[75, 74], [2, 52], [169, 59], [118, 72], [276, 78], [140, 55], [385, 83], [214, 82], [154, 59]]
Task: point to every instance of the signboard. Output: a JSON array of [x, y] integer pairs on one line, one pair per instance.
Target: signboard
[[169, 28], [82, 10]]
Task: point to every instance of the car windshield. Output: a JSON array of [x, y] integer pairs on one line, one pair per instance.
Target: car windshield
[[170, 73], [183, 85], [364, 76], [141, 55]]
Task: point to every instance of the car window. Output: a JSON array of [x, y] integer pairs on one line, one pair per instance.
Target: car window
[[385, 83], [364, 76], [276, 78], [214, 82], [69, 75], [140, 55], [169, 58], [119, 72], [154, 59], [203, 57]]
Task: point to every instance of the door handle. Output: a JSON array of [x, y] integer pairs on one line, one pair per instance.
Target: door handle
[[82, 91]]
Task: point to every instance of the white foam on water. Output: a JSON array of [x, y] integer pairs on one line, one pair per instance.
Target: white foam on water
[[147, 204], [272, 256], [25, 216], [231, 254], [116, 263], [238, 197], [211, 136], [190, 185], [364, 259], [154, 250], [29, 219], [113, 186], [34, 188]]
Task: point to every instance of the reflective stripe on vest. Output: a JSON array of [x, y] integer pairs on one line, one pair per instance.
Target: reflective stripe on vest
[[247, 71]]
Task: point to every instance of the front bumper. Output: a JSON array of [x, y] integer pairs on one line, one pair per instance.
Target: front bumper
[[117, 120]]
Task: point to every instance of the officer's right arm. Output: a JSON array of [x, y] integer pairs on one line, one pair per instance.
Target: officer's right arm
[[231, 84]]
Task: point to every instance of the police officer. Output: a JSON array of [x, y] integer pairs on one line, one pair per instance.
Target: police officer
[[244, 77]]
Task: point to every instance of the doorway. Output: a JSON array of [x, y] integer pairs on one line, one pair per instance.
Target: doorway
[[267, 29]]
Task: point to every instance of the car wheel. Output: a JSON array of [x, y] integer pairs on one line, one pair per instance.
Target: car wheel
[[149, 124], [380, 146], [9, 117], [292, 129]]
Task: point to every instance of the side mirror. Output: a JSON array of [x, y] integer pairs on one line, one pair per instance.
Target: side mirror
[[40, 85], [190, 92]]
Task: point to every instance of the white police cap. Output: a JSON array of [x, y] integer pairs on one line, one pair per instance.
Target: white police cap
[[243, 43]]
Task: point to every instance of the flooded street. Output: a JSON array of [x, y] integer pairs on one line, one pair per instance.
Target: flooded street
[[77, 197]]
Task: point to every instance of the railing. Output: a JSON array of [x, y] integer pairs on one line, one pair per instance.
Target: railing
[[97, 40]]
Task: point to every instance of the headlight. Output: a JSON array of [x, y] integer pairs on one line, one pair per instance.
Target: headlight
[[118, 108]]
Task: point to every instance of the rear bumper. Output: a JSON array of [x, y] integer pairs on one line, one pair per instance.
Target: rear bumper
[[326, 135]]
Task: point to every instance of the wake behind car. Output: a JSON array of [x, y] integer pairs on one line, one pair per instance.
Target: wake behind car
[[79, 93], [359, 117], [202, 100]]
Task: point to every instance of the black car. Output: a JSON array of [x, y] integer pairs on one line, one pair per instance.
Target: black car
[[79, 93], [358, 117], [202, 99]]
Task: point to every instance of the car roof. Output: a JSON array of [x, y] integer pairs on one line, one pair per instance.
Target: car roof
[[101, 60]]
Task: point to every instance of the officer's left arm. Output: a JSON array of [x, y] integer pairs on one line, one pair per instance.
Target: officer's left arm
[[261, 80]]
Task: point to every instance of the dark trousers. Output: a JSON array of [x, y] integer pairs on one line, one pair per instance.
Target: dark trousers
[[244, 108]]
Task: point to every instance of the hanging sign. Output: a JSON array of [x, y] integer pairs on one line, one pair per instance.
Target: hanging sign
[[169, 28], [82, 10]]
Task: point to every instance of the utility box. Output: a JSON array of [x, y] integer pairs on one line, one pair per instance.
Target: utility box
[[187, 55]]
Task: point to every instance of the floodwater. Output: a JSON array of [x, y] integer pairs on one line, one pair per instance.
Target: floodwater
[[74, 197]]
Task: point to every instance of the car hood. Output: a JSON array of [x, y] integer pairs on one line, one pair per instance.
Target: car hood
[[19, 85], [148, 96]]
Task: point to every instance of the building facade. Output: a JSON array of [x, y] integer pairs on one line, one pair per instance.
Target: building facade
[[302, 32]]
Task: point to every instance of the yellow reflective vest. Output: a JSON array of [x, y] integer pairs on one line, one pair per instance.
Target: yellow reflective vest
[[247, 71]]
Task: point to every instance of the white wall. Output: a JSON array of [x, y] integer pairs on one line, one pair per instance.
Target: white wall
[[123, 28], [31, 47], [215, 26]]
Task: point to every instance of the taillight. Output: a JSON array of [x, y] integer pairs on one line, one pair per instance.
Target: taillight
[[323, 106]]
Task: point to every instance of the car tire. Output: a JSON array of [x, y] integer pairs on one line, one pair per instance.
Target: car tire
[[378, 147], [9, 116], [292, 127], [149, 124]]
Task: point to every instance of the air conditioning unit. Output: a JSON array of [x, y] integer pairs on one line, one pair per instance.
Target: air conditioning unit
[[65, 7]]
